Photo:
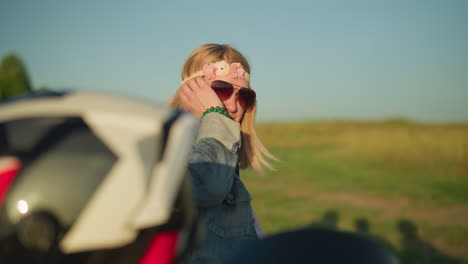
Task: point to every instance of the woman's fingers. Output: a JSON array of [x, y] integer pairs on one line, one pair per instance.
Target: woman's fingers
[[197, 96], [202, 84], [190, 100], [206, 95]]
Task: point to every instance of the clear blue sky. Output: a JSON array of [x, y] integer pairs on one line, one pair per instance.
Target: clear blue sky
[[360, 59]]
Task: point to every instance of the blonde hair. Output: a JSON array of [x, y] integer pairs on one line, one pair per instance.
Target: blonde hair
[[253, 153]]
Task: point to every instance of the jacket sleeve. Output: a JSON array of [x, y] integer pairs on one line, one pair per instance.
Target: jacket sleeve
[[213, 162]]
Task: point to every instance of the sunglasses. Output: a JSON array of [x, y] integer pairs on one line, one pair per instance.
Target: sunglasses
[[224, 90]]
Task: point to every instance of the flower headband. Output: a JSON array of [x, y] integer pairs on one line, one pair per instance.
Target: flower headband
[[232, 73]]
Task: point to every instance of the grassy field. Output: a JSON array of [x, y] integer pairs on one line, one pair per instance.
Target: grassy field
[[401, 182]]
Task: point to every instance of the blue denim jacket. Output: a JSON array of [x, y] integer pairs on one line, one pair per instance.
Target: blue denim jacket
[[221, 197]]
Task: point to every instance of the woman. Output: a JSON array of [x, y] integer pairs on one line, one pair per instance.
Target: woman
[[216, 88]]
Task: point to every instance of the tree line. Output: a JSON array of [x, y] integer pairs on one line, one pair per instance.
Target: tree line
[[14, 78]]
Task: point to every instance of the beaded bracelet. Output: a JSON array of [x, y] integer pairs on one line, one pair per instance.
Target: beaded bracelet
[[216, 109]]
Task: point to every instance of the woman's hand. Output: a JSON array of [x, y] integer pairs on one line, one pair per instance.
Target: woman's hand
[[197, 96]]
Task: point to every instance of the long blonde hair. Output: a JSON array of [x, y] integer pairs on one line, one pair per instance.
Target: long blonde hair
[[253, 153]]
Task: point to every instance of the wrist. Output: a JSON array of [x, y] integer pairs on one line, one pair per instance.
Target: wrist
[[216, 109]]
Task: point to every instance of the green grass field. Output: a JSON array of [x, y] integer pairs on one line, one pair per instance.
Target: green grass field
[[387, 175]]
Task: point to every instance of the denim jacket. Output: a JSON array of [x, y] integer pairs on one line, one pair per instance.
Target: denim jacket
[[221, 197]]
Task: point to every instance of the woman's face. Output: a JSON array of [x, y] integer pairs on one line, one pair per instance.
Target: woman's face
[[229, 95]]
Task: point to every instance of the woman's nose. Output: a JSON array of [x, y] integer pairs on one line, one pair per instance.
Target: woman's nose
[[231, 103]]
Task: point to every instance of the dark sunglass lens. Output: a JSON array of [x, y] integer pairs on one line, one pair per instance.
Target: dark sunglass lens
[[221, 84], [223, 93], [243, 103], [246, 98]]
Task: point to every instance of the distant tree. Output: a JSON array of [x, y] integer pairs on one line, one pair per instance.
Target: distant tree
[[14, 79]]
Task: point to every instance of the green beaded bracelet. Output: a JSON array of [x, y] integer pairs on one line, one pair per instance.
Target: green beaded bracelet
[[216, 109]]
